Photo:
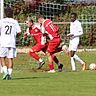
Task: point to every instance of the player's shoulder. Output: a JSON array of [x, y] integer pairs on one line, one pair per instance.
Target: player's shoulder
[[10, 20], [37, 26], [77, 22], [48, 20]]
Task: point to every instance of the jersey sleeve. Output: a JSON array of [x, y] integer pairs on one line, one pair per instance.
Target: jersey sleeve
[[18, 28], [79, 29]]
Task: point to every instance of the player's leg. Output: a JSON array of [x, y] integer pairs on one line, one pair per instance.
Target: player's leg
[[3, 53], [50, 63], [33, 54], [73, 45], [1, 70], [60, 66], [4, 68], [52, 46], [76, 57], [11, 54], [71, 54], [10, 68]]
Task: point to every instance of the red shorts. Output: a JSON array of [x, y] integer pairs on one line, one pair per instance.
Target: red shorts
[[38, 47], [53, 45]]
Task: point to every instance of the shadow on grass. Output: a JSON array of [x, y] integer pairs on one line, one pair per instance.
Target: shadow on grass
[[25, 78]]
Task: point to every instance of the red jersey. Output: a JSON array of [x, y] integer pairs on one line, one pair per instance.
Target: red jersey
[[37, 35], [50, 28]]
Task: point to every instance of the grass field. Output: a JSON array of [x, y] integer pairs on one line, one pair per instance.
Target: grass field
[[27, 81]]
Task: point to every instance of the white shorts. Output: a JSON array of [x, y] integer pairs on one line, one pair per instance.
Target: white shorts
[[7, 52], [73, 45]]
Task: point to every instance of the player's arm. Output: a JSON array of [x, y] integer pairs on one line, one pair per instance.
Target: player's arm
[[79, 30], [26, 34], [18, 29]]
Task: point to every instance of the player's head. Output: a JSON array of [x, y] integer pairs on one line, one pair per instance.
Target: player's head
[[73, 16], [29, 22], [40, 18], [8, 12]]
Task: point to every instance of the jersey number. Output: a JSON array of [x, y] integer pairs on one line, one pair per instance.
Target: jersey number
[[8, 29], [52, 27]]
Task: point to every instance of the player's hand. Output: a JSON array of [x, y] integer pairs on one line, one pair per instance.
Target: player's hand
[[25, 35], [70, 35]]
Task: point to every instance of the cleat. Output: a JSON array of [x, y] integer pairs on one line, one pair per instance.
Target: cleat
[[9, 77], [60, 68], [41, 64], [4, 76], [51, 71], [83, 66]]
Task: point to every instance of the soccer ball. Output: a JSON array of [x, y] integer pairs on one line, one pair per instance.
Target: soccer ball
[[92, 66]]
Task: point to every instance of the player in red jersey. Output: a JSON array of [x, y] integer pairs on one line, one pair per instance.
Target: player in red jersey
[[41, 44], [52, 31]]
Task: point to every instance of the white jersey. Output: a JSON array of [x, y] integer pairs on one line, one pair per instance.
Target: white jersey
[[9, 28], [77, 31], [76, 28]]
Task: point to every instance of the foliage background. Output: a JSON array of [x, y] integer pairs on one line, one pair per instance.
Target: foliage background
[[86, 13]]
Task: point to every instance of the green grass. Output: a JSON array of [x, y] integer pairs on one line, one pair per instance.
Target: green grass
[[27, 81]]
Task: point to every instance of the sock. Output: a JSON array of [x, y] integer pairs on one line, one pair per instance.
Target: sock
[[10, 71], [78, 59], [73, 64], [34, 55], [5, 69], [55, 59], [40, 60], [51, 66]]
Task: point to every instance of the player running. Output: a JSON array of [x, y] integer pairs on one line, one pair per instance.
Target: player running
[[75, 32], [9, 28], [41, 44], [47, 27]]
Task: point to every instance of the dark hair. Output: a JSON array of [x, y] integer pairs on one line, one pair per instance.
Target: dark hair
[[8, 12], [29, 19], [75, 14], [39, 16]]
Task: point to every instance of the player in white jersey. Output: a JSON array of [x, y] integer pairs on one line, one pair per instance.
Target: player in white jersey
[[9, 28], [0, 62], [75, 32]]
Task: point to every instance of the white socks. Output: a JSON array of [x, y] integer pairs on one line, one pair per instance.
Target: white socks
[[10, 71], [78, 59], [7, 71], [73, 64], [40, 60], [4, 68]]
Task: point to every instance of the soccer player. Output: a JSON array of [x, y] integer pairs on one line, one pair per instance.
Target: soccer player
[[0, 67], [41, 44], [75, 32], [0, 62], [47, 27], [9, 28]]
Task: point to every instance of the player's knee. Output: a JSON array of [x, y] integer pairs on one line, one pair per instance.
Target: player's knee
[[71, 53], [31, 51]]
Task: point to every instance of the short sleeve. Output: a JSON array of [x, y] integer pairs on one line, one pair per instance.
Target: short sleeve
[[18, 28]]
